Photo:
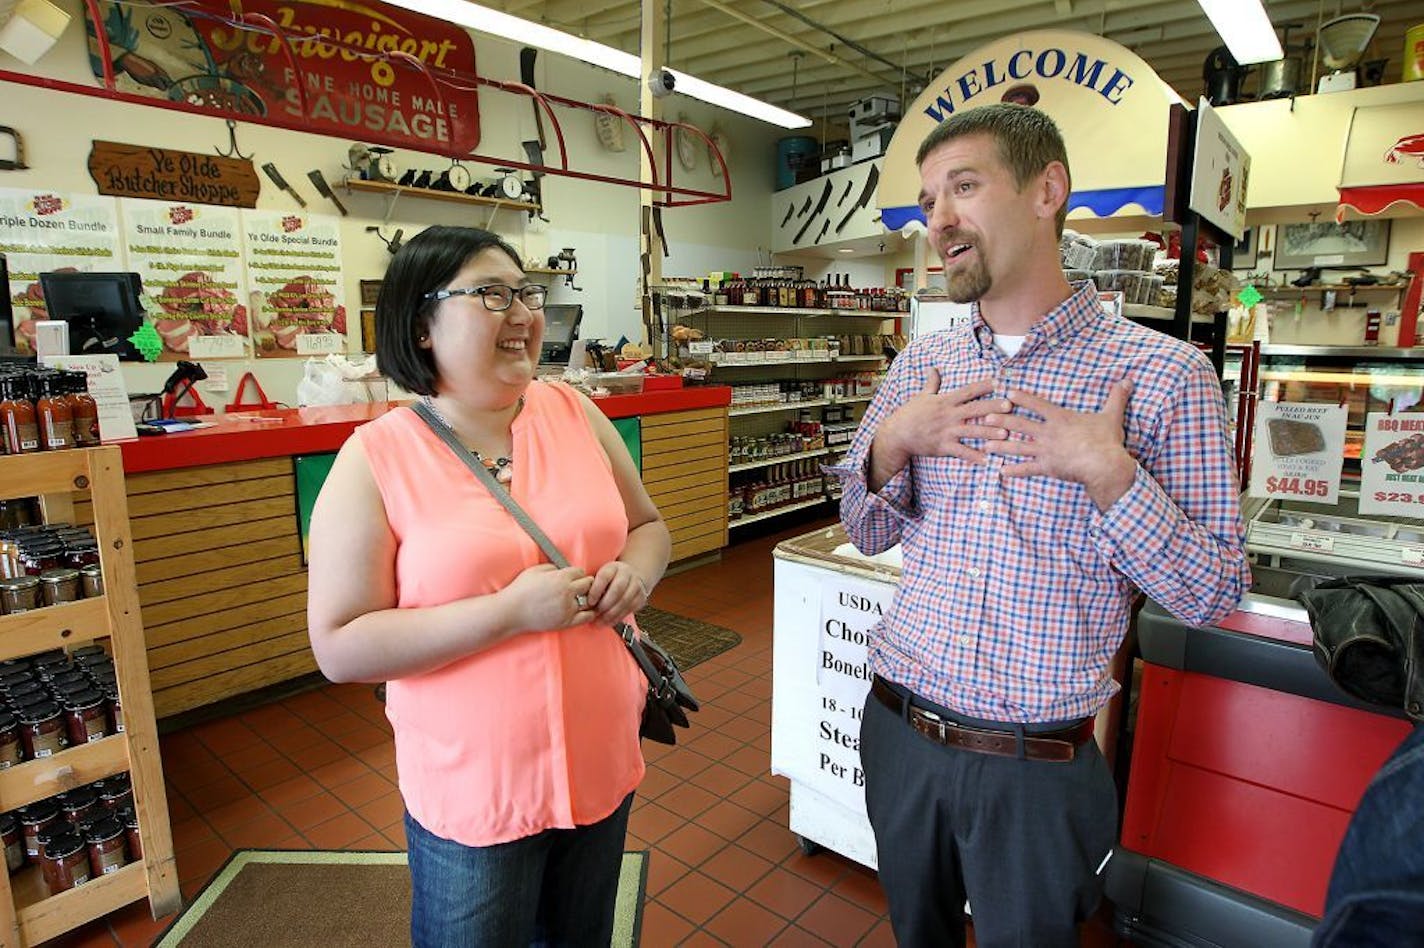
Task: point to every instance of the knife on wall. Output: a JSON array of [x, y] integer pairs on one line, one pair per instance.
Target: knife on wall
[[281, 182], [318, 181], [866, 193]]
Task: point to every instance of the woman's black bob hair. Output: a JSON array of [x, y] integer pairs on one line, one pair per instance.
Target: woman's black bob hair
[[427, 262]]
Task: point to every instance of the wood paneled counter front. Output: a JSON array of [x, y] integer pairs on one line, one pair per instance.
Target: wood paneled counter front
[[217, 542]]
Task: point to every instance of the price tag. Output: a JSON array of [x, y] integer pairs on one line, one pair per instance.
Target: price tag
[[1411, 556], [1312, 542], [217, 347], [1298, 451], [320, 343], [701, 347], [1392, 465]]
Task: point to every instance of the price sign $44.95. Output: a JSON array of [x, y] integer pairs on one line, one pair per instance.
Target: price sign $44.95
[[1298, 451]]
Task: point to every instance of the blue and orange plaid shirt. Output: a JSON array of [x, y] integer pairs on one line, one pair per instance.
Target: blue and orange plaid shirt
[[1016, 592]]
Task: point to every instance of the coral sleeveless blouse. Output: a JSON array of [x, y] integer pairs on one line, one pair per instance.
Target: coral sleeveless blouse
[[541, 730]]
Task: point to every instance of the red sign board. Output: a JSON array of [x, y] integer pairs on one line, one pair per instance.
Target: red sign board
[[346, 69]]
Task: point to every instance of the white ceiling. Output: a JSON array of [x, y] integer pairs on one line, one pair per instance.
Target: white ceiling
[[816, 57]]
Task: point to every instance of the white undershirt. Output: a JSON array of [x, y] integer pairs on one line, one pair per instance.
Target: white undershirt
[[1009, 345]]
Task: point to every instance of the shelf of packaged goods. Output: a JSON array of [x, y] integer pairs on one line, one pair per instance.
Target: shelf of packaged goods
[[779, 363], [849, 399], [40, 916], [793, 311], [780, 459], [31, 780], [768, 514], [453, 197], [38, 630], [1337, 287], [779, 406]]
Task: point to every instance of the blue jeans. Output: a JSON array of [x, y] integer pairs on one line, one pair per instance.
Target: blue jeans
[[557, 887], [1376, 894]]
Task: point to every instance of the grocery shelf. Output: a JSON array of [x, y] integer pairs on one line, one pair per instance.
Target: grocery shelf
[[781, 363], [768, 514], [779, 406], [780, 459], [453, 197], [793, 311]]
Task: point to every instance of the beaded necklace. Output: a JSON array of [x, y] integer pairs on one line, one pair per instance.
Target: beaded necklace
[[501, 468]]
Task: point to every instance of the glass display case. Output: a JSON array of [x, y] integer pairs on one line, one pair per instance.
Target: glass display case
[[1363, 378], [1303, 541]]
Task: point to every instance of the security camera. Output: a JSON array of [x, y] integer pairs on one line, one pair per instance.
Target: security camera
[[661, 83]]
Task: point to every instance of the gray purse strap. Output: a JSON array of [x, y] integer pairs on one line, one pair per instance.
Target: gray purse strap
[[482, 474], [624, 630]]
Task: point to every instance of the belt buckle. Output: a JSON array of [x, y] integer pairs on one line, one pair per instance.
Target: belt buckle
[[941, 725]]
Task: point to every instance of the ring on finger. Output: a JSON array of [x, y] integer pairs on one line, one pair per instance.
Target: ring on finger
[[581, 601]]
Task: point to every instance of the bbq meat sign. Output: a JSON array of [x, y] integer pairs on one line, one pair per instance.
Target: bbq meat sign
[[339, 68]]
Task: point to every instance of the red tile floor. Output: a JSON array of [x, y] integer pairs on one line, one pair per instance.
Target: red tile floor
[[317, 770]]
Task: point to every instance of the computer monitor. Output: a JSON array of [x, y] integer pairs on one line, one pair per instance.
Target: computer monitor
[[102, 310], [561, 325]]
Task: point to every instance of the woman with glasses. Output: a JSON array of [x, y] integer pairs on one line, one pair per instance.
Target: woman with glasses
[[515, 706]]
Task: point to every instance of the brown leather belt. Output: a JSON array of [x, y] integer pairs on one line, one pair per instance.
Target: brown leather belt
[[1059, 746]]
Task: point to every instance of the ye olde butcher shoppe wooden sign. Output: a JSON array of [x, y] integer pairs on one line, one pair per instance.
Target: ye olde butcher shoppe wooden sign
[[162, 174]]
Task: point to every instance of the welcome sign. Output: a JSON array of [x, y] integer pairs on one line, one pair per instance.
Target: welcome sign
[[1110, 105]]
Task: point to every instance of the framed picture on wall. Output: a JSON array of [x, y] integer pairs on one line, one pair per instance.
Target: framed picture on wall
[[1328, 244], [370, 289], [1243, 255], [934, 279], [368, 330]]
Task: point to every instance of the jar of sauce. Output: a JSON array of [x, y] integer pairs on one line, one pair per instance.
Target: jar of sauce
[[78, 804], [42, 729], [59, 585], [19, 594], [84, 410], [91, 580], [13, 841], [116, 706], [56, 418], [130, 819], [34, 818], [67, 858], [117, 793], [107, 849], [45, 838], [86, 716], [11, 751], [17, 417]]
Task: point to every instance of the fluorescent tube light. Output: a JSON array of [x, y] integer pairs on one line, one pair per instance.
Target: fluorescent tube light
[[524, 32], [1245, 29]]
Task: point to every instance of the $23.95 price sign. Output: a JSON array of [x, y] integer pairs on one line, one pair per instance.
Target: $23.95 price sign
[[1391, 472]]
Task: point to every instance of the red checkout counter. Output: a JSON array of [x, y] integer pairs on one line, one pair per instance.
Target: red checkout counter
[[1247, 765], [217, 517]]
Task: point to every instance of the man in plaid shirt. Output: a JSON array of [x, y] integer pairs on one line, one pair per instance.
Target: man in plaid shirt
[[1039, 466]]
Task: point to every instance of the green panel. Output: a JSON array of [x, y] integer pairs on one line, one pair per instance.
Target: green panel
[[632, 431], [311, 471]]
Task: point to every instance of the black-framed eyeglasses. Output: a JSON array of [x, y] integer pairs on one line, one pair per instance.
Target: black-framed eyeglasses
[[498, 297]]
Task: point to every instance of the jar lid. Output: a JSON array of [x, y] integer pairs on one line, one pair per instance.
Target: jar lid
[[7, 720], [64, 845], [41, 811], [102, 829], [81, 700], [18, 689], [60, 574], [129, 815], [119, 781], [20, 582], [58, 828], [39, 712], [78, 797], [92, 569], [9, 823]]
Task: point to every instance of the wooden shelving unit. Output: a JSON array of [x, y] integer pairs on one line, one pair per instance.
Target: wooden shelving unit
[[28, 914], [362, 186]]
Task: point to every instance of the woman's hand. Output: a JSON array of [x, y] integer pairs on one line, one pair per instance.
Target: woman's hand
[[545, 597], [617, 592]]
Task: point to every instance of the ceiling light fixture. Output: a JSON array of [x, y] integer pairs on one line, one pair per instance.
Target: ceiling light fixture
[[1245, 29], [527, 33]]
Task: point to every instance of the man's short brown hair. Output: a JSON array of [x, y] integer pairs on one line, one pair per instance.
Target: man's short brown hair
[[1027, 139]]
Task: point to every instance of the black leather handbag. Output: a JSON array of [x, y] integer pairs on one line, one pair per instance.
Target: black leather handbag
[[1369, 638], [669, 698]]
